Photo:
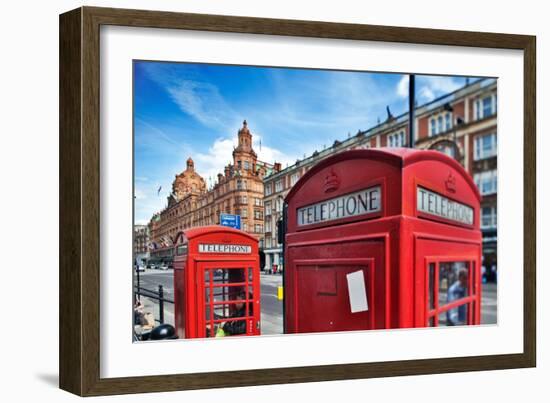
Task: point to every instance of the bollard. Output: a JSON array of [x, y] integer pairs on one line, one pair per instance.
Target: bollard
[[161, 304], [280, 293]]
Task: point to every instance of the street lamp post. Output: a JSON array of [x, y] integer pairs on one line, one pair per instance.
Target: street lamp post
[[411, 109]]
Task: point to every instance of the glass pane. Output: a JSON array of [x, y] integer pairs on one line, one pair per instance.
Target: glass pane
[[222, 276], [487, 107], [454, 317], [431, 288], [453, 285], [431, 321]]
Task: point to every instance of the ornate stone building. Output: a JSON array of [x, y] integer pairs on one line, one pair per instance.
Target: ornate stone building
[[238, 190], [141, 242]]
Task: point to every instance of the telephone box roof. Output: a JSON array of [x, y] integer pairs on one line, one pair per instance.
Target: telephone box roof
[[211, 229], [399, 156]]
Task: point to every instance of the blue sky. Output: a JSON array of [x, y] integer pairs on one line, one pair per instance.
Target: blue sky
[[183, 110]]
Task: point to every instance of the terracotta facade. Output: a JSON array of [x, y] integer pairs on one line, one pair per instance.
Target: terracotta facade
[[238, 190]]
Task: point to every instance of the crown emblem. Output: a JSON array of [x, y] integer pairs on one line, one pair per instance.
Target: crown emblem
[[450, 183], [331, 182]]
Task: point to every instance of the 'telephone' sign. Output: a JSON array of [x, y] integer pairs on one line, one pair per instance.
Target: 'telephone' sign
[[224, 248], [437, 205], [350, 205]]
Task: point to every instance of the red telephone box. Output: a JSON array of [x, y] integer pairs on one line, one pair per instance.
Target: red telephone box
[[216, 283], [382, 238]]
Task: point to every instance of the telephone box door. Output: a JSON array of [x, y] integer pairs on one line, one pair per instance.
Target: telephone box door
[[228, 299], [325, 291], [449, 294]]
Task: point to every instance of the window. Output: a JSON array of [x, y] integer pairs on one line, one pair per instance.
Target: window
[[440, 128], [258, 215], [247, 165], [268, 208], [268, 189], [257, 201], [489, 217], [485, 107], [227, 296], [397, 139], [279, 185], [294, 178], [268, 226], [486, 182], [239, 164], [441, 123], [448, 121], [268, 241], [244, 213], [258, 228], [485, 146], [451, 293], [239, 184]]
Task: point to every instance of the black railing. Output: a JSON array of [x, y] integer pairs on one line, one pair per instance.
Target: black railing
[[156, 295]]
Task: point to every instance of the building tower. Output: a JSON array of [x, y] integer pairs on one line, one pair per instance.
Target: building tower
[[244, 156]]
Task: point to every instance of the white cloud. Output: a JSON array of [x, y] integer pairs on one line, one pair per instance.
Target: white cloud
[[434, 86], [202, 101], [270, 154], [209, 164], [403, 86], [426, 94]]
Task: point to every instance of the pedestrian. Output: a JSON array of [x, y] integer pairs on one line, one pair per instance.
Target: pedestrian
[[236, 327], [139, 314], [459, 289]]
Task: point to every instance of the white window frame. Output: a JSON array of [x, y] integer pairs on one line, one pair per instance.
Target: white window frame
[[397, 139], [481, 180], [278, 186], [479, 152], [268, 189], [440, 123], [432, 131], [479, 111], [294, 178], [492, 217]]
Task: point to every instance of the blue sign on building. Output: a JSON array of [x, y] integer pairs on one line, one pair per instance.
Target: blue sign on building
[[230, 220]]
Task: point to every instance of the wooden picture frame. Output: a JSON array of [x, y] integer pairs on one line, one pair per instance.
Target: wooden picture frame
[[80, 187]]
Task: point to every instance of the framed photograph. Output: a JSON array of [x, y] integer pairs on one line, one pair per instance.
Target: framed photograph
[[248, 201]]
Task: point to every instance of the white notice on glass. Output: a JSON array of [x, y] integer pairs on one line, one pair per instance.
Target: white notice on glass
[[357, 292]]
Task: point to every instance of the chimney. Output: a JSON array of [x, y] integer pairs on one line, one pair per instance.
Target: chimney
[[227, 171], [220, 178], [277, 166]]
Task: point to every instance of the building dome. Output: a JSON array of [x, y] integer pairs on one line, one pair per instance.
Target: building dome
[[189, 181]]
